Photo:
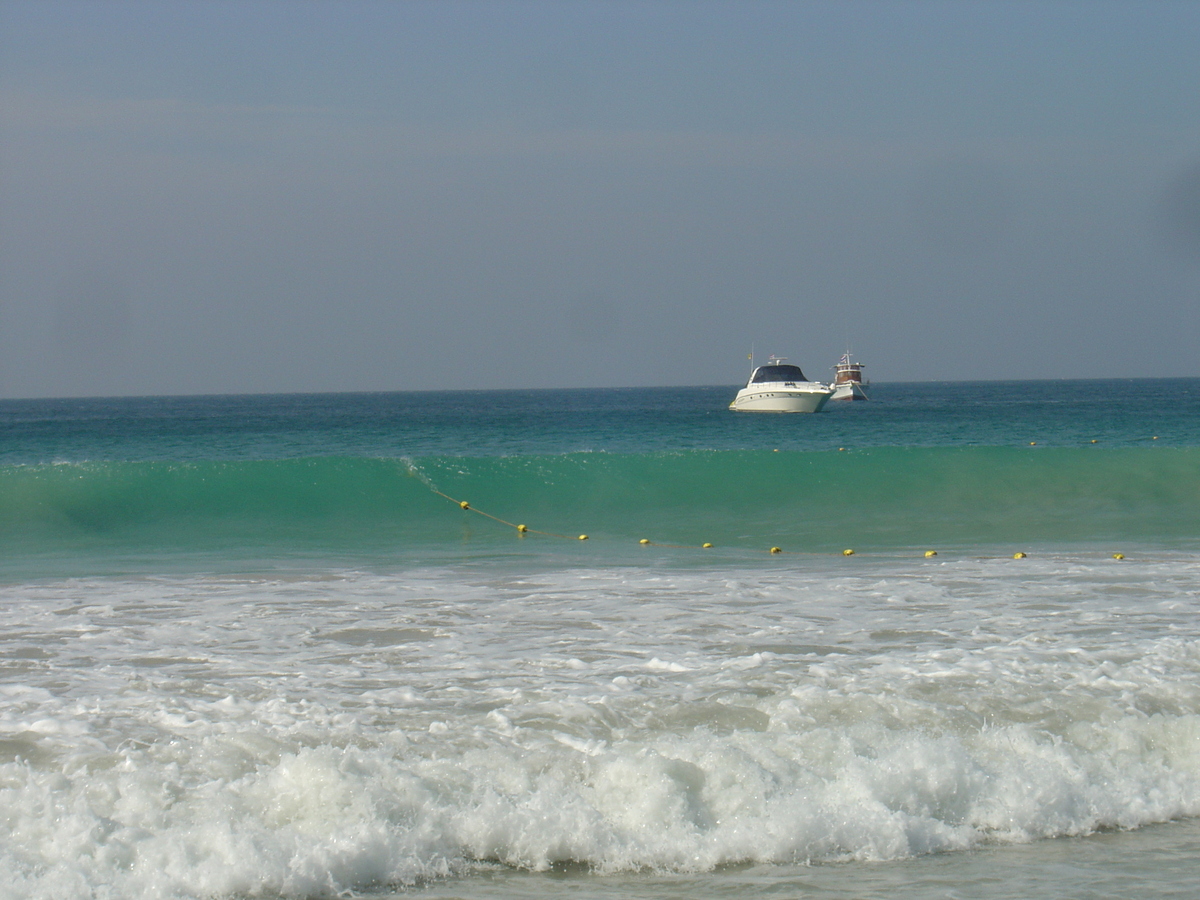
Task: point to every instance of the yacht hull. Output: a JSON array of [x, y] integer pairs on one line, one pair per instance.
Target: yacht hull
[[849, 390], [780, 399]]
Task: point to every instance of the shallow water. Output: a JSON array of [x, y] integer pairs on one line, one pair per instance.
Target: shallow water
[[1156, 861]]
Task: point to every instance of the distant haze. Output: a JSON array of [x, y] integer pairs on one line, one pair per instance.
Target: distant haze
[[244, 197]]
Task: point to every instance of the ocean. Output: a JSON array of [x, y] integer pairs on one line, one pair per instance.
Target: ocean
[[602, 643]]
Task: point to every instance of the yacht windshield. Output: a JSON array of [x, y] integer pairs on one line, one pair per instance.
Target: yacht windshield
[[777, 373]]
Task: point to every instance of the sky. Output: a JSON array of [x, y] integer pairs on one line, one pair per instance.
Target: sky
[[256, 197]]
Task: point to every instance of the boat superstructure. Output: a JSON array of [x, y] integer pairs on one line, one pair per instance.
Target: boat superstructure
[[778, 387], [848, 380]]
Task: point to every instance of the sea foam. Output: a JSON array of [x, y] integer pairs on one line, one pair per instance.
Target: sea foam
[[311, 734]]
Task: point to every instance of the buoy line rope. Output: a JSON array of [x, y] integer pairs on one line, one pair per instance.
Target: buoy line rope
[[645, 542], [521, 529]]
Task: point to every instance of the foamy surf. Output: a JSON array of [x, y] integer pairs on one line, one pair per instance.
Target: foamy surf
[[315, 733]]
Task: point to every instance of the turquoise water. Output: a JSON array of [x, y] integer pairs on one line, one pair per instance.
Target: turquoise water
[[884, 499], [972, 468], [254, 646]]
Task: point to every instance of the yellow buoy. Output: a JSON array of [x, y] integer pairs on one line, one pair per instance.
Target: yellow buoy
[[1155, 438], [522, 529], [1118, 556], [929, 553], [1033, 443], [706, 546], [1093, 440], [847, 552], [840, 449], [776, 550], [644, 541], [1019, 555], [464, 504], [583, 537]]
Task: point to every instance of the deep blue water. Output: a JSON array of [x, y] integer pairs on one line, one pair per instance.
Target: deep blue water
[[627, 420]]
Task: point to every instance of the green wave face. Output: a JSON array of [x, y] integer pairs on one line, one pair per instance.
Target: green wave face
[[972, 497], [820, 501]]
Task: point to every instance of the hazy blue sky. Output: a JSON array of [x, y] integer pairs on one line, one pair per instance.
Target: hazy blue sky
[[212, 197]]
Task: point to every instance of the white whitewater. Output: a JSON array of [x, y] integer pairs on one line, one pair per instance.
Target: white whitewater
[[314, 733]]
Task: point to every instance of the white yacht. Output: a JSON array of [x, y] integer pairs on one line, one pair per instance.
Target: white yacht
[[776, 387], [848, 380]]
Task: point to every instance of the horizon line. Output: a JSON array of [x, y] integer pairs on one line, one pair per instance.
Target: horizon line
[[648, 387]]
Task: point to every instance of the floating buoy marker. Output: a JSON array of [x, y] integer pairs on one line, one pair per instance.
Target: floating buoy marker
[[706, 546], [644, 541], [847, 552], [522, 529], [583, 537], [464, 504], [929, 553], [776, 550], [1118, 556], [1019, 555]]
